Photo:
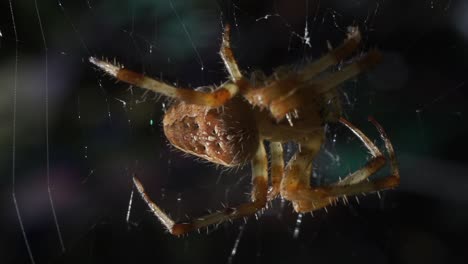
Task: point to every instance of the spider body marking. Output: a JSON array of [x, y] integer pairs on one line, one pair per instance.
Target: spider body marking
[[222, 127], [227, 136]]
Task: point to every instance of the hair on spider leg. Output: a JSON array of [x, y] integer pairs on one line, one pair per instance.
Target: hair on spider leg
[[345, 200], [256, 216], [357, 199]]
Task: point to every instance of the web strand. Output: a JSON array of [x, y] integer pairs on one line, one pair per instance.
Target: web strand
[[200, 61], [13, 152], [73, 27], [49, 191]]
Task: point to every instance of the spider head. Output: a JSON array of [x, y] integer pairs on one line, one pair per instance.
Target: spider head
[[227, 136]]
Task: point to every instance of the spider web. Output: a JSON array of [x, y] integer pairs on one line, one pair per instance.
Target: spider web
[[73, 138]]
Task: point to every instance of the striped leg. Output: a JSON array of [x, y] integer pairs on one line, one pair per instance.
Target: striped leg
[[316, 198], [259, 198], [214, 99], [277, 168], [306, 198], [334, 56], [277, 92], [323, 84], [228, 56]]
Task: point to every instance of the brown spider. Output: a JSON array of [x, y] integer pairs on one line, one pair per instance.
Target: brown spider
[[223, 127]]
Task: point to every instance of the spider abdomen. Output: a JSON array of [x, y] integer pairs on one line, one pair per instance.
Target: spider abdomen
[[226, 136]]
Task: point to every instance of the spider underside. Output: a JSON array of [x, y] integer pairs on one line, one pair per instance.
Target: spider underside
[[291, 105]]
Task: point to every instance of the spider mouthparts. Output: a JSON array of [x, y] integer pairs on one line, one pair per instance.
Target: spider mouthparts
[[105, 66]]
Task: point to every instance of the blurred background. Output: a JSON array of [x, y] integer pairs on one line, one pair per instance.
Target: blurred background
[[81, 135]]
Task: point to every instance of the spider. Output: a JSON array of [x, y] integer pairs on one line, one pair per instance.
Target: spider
[[228, 126]]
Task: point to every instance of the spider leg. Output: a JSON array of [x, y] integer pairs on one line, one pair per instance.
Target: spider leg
[[282, 105], [334, 56], [228, 56], [331, 80], [213, 99], [284, 87], [377, 161], [298, 170], [306, 198], [277, 169], [259, 199]]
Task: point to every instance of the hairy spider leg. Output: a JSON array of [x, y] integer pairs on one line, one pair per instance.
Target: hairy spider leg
[[294, 100], [305, 198], [388, 146], [363, 174], [277, 168], [228, 56], [264, 96], [212, 99], [323, 84], [371, 167], [298, 170], [258, 196], [334, 56]]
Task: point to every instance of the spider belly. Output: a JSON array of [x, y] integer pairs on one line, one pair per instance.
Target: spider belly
[[227, 135]]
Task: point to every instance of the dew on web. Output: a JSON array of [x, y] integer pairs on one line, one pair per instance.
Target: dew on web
[[297, 228], [236, 244], [129, 209], [267, 16], [1, 36]]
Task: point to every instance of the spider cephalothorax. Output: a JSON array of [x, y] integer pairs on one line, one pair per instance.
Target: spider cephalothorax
[[228, 126]]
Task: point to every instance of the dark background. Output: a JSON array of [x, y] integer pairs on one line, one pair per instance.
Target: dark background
[[101, 133]]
